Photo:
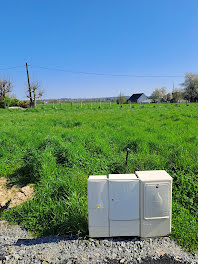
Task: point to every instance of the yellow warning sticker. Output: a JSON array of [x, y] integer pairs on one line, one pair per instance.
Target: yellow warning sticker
[[98, 207]]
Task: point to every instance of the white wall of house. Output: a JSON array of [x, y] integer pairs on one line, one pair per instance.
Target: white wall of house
[[143, 97]]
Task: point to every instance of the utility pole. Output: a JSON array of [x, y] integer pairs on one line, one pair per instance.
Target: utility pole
[[29, 87]]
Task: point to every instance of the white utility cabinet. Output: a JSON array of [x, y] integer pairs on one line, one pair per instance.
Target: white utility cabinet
[[98, 206], [155, 203], [123, 205], [137, 204]]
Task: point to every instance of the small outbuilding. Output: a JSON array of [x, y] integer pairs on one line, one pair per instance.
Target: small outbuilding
[[138, 98]]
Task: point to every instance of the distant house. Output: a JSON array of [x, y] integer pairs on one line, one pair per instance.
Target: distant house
[[139, 98]]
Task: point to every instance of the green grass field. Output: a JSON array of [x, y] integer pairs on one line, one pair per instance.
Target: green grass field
[[57, 149]]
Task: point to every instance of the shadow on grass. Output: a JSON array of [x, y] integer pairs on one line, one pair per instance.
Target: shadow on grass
[[22, 176], [29, 172]]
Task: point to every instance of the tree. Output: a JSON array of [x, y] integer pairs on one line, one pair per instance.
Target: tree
[[190, 85], [34, 93], [177, 95], [169, 97], [5, 89], [121, 99], [163, 92], [158, 94]]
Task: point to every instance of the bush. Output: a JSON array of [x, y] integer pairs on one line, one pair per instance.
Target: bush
[[12, 102], [15, 102], [2, 104], [121, 99], [5, 103], [24, 104]]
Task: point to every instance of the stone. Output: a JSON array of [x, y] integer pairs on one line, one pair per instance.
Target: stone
[[122, 260], [160, 252], [123, 244], [96, 243], [139, 259], [16, 256], [2, 257], [21, 252]]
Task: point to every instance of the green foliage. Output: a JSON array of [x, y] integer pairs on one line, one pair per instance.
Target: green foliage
[[15, 102], [177, 95], [8, 101], [185, 229], [24, 104], [2, 104], [57, 149], [5, 89], [191, 87], [158, 94], [5, 102], [121, 99]]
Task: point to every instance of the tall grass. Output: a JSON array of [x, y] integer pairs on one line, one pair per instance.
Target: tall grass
[[57, 149]]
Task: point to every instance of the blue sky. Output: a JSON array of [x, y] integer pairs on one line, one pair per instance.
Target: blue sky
[[136, 37]]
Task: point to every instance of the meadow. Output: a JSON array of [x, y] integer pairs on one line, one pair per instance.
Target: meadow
[[57, 149]]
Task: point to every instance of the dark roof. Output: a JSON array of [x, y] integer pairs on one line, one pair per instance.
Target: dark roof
[[135, 97]]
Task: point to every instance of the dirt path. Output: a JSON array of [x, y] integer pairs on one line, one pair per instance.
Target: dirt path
[[12, 196]]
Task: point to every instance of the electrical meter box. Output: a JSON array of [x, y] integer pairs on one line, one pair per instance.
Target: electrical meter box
[[155, 203], [130, 204]]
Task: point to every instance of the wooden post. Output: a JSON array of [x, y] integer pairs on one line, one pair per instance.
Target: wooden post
[[29, 87]]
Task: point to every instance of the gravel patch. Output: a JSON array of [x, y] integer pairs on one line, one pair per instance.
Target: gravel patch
[[18, 246]]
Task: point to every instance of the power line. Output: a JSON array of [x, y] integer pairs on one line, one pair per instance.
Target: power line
[[109, 74], [97, 73], [10, 68]]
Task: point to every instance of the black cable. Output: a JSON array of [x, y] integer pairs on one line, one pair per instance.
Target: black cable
[[97, 73], [10, 68], [110, 74]]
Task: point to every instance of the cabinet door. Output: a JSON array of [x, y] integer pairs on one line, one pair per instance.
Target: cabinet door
[[123, 200], [156, 200], [97, 194]]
